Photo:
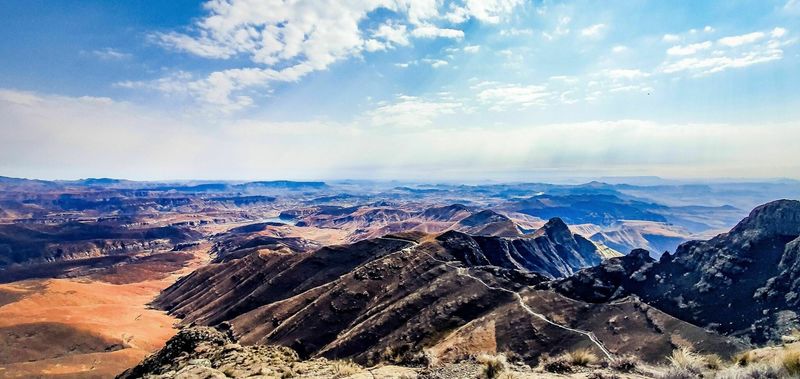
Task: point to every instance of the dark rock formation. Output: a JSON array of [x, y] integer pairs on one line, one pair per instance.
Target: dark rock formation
[[552, 251], [741, 283]]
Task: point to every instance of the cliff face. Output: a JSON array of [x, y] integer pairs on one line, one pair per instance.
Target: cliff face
[[744, 282], [36, 243], [553, 251]]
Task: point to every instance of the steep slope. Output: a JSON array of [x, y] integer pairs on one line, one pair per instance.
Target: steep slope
[[488, 223], [652, 236], [35, 243], [222, 291], [739, 283], [390, 298], [552, 251]]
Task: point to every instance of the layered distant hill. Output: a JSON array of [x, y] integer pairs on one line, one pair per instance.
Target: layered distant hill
[[452, 294], [400, 272]]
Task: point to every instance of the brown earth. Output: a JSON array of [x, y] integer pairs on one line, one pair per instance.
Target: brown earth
[[94, 326]]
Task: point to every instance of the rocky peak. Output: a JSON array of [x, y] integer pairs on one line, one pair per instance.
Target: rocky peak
[[555, 229], [483, 217], [780, 217], [608, 281]]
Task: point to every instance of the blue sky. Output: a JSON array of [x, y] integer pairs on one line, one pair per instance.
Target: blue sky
[[405, 89]]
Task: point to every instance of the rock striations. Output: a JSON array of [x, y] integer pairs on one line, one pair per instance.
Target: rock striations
[[413, 297]]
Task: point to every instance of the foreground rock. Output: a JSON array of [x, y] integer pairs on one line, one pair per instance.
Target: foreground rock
[[203, 352]]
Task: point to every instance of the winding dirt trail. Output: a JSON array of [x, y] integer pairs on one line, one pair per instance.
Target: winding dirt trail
[[462, 271]]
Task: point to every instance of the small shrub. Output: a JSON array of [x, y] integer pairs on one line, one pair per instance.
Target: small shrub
[[686, 360], [744, 359], [713, 361], [582, 357], [600, 375], [343, 369], [627, 363], [674, 372], [493, 365], [559, 365], [753, 371], [790, 359]]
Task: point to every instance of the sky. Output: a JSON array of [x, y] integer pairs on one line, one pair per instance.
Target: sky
[[434, 90]]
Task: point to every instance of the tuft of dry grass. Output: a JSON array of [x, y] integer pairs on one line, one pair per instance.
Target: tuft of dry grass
[[343, 369], [713, 362], [627, 363], [744, 359], [493, 365], [790, 360], [753, 371], [674, 372], [558, 365], [687, 360], [582, 357]]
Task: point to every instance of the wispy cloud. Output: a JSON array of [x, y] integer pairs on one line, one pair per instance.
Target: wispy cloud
[[286, 42], [689, 49], [110, 54], [594, 31], [743, 39], [411, 111], [500, 97], [737, 51]]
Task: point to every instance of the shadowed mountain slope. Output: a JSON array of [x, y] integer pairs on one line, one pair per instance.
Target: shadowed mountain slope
[[453, 295], [740, 283]]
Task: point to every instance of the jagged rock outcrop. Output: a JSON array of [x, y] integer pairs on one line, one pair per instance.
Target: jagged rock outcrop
[[739, 283], [203, 352], [552, 251], [608, 281]]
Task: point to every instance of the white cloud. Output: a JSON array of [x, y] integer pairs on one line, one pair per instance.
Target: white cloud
[[472, 49], [110, 54], [731, 52], [410, 111], [689, 49], [393, 33], [430, 31], [625, 74], [594, 31], [491, 11], [743, 39], [91, 138], [671, 38], [19, 98], [286, 40], [515, 32], [435, 63], [712, 65], [374, 45], [778, 32], [619, 49], [504, 96], [561, 28], [708, 29], [792, 7]]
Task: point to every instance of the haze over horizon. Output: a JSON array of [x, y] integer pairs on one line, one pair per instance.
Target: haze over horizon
[[506, 90]]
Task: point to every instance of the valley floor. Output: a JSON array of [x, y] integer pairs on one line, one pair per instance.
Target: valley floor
[[85, 327]]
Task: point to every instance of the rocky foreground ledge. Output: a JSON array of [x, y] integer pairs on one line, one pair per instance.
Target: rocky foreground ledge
[[209, 353]]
